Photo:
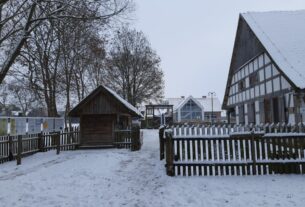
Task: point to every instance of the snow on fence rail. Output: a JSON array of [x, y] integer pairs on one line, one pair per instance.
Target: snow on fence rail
[[18, 146], [237, 150]]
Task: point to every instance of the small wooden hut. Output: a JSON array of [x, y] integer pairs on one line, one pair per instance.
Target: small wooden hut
[[101, 113]]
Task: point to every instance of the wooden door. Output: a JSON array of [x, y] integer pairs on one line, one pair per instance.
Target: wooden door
[[97, 130]]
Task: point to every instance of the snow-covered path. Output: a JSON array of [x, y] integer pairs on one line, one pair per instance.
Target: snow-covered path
[[118, 177]]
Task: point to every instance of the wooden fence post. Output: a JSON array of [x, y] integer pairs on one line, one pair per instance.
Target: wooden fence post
[[10, 150], [19, 151], [135, 139], [40, 142], [169, 154], [57, 140], [253, 152], [161, 142]]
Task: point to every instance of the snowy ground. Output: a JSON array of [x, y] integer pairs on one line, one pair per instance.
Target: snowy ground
[[115, 177]]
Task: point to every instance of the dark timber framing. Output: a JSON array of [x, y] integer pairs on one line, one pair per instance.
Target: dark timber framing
[[266, 99]]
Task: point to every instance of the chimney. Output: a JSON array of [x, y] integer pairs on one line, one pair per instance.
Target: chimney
[[182, 97]]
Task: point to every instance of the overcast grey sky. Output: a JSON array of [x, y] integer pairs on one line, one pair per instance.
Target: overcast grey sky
[[194, 39]]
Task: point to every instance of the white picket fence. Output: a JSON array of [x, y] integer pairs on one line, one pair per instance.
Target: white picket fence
[[237, 150]]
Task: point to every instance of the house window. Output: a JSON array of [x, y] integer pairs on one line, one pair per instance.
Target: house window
[[191, 112], [241, 85], [253, 79], [247, 82]]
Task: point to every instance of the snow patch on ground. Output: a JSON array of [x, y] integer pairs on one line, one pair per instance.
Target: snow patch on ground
[[119, 177]]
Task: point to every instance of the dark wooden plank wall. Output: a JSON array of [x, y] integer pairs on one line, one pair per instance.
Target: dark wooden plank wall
[[103, 103], [98, 130], [247, 46]]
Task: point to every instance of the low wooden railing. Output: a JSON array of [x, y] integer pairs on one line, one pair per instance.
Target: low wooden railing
[[201, 150], [18, 146], [129, 138]]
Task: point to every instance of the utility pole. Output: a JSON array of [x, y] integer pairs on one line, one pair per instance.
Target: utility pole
[[212, 94]]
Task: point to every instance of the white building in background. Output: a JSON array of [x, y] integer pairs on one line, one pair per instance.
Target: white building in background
[[192, 109]]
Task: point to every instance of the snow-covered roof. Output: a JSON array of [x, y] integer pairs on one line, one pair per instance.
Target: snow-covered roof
[[123, 101], [282, 33], [183, 102], [206, 103]]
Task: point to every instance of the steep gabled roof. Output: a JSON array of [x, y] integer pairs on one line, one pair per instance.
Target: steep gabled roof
[[206, 103], [117, 97], [187, 100], [282, 33], [282, 36]]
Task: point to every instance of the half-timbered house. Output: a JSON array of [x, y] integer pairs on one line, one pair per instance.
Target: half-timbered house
[[266, 81]]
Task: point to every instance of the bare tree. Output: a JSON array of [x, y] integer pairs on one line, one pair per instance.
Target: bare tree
[[134, 68], [19, 18], [22, 96]]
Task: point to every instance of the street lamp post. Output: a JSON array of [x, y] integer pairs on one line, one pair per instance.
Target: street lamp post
[[212, 94]]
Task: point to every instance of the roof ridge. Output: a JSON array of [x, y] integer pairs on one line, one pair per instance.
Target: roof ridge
[[275, 11]]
